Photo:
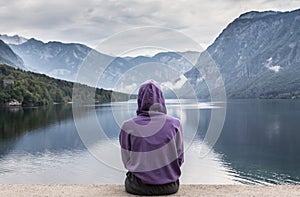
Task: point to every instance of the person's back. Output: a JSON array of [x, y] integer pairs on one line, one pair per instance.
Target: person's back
[[152, 145]]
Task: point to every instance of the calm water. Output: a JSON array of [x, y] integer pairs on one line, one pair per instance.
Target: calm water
[[259, 144]]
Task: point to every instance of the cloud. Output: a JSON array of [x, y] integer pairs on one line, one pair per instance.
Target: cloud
[[129, 88], [175, 84], [91, 21]]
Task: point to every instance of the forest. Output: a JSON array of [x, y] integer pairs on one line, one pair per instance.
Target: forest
[[32, 89]]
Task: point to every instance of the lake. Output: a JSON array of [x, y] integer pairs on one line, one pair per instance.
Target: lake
[[259, 143]]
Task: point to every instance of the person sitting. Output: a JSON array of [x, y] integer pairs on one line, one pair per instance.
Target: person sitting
[[152, 145]]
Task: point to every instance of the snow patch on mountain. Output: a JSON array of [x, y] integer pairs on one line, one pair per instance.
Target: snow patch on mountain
[[275, 68], [269, 65]]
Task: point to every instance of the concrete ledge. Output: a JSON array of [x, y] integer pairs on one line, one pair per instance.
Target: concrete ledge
[[118, 190]]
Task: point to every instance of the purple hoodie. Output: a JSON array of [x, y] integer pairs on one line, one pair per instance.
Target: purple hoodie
[[152, 142]]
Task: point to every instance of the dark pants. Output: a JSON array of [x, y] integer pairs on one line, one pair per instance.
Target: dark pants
[[134, 185]]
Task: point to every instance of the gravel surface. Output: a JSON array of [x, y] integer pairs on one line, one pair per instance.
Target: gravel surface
[[118, 190]]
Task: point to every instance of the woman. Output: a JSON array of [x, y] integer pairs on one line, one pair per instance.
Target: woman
[[152, 145]]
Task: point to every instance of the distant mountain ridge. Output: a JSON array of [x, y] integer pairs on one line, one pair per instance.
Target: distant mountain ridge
[[258, 56], [7, 56], [62, 61], [55, 59], [16, 39]]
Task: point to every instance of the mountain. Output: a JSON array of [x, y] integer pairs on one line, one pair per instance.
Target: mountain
[[179, 61], [63, 61], [258, 56], [12, 39], [7, 56], [55, 59]]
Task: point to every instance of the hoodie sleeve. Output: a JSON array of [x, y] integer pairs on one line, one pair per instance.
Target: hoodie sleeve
[[124, 139], [180, 144]]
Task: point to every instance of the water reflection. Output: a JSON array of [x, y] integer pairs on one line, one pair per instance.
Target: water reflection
[[17, 120], [260, 140], [206, 170], [41, 145], [258, 144]]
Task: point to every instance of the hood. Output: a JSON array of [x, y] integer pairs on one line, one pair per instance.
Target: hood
[[150, 99]]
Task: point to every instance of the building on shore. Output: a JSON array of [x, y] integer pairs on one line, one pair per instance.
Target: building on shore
[[14, 102]]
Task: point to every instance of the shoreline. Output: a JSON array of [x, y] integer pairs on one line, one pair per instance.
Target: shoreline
[[8, 190]]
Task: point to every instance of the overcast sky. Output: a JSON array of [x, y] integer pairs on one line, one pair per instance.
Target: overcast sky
[[91, 21]]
